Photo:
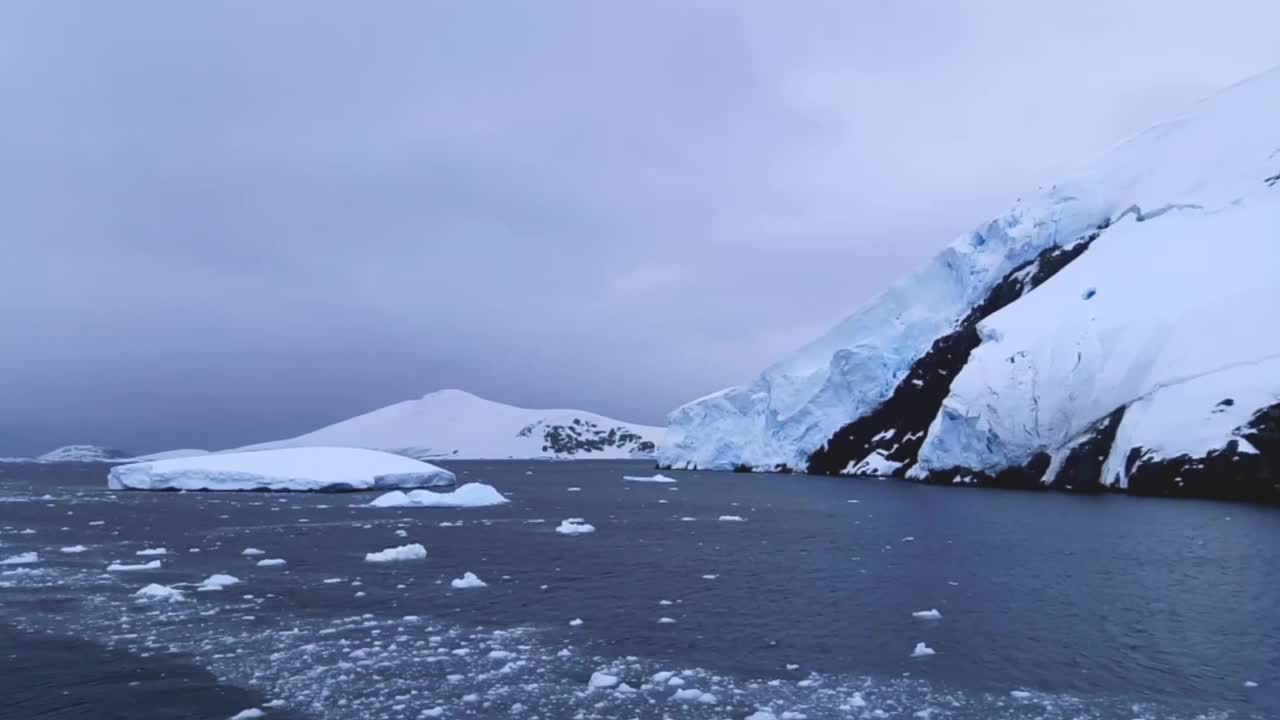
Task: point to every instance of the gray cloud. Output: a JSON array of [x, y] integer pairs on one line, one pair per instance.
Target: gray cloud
[[226, 222]]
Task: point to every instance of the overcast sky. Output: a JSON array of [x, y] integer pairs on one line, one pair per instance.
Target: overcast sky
[[226, 222]]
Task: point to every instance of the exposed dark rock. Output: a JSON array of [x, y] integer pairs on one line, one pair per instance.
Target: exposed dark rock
[[918, 396], [583, 436], [1081, 470], [1228, 473]]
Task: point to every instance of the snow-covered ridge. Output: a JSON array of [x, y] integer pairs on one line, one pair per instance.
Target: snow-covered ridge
[[1121, 312], [99, 454], [452, 424]]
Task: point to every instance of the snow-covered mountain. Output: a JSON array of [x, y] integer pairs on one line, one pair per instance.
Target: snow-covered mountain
[[1111, 331], [82, 453], [459, 425]]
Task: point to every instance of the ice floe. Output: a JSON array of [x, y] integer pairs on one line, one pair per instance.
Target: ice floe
[[467, 581], [470, 495], [922, 650], [218, 581], [648, 479], [412, 551], [130, 567], [574, 526], [927, 615]]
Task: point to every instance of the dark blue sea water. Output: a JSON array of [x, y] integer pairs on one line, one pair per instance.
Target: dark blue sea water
[[1053, 606]]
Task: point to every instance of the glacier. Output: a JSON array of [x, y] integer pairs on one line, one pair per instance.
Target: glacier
[[1115, 318]]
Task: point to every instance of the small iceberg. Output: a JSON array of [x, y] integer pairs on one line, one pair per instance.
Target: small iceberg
[[253, 551], [648, 479], [73, 549], [412, 551], [271, 562], [602, 680], [26, 558], [159, 592], [922, 650], [298, 469], [125, 567], [152, 551], [470, 495], [217, 581], [575, 526], [927, 615], [732, 518], [467, 581]]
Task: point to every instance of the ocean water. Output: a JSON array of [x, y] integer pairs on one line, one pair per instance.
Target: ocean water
[[1052, 606]]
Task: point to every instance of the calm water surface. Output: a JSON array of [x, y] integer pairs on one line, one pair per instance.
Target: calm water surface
[[1052, 606]]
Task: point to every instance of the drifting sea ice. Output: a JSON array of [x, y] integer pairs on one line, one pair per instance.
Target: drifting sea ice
[[470, 495], [927, 615], [412, 551], [159, 592], [649, 479], [467, 581], [271, 562], [25, 558], [124, 567], [218, 581], [575, 526], [923, 650]]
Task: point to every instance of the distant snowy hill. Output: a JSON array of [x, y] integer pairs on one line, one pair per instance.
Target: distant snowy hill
[[459, 425], [82, 453], [1113, 331]]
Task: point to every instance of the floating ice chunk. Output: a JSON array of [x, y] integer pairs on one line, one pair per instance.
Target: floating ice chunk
[[26, 558], [662, 677], [249, 714], [253, 551], [665, 621], [469, 495], [1019, 694], [649, 479], [694, 695], [1250, 684], [575, 622], [732, 518], [159, 592], [761, 715], [468, 580], [434, 712], [665, 602], [710, 577], [412, 551], [501, 655], [152, 551], [922, 650], [271, 562], [217, 581], [73, 549], [124, 567], [573, 489], [602, 680], [927, 615], [575, 526]]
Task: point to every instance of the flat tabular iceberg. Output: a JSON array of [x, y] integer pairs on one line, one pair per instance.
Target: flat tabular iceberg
[[575, 526], [314, 469], [469, 495]]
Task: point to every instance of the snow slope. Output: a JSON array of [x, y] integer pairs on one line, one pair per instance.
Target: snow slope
[[1120, 313], [459, 425], [316, 468]]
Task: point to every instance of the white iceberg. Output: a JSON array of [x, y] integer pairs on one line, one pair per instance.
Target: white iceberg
[[25, 558], [732, 518], [125, 567], [649, 479], [302, 469], [470, 495], [467, 581], [575, 526], [412, 551], [152, 551], [159, 592], [253, 551], [271, 562], [927, 615], [73, 549], [218, 581], [602, 680], [923, 650]]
